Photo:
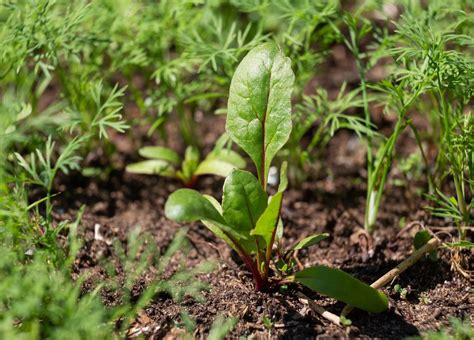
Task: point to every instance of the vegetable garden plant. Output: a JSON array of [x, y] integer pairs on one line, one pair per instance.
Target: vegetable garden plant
[[248, 218], [166, 162]]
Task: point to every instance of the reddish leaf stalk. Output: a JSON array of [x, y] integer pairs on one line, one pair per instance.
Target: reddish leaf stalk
[[250, 263]]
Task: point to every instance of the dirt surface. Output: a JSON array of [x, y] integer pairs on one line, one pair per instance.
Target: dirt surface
[[331, 202]]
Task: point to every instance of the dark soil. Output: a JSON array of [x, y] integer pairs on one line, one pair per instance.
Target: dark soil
[[332, 201]]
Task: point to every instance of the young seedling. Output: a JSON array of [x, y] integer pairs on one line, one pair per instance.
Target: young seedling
[[248, 219], [165, 162]]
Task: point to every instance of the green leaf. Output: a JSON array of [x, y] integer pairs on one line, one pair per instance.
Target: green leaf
[[220, 162], [268, 221], [421, 238], [214, 167], [309, 241], [460, 244], [186, 205], [190, 164], [283, 177], [214, 227], [279, 232], [343, 287], [259, 106], [152, 167], [159, 152], [228, 156], [243, 202]]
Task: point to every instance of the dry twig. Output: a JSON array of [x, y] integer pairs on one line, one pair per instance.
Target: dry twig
[[320, 310], [392, 274]]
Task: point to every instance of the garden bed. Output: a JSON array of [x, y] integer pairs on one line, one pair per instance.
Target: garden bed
[[236, 168], [330, 204]]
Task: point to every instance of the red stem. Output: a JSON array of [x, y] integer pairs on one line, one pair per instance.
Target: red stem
[[259, 282]]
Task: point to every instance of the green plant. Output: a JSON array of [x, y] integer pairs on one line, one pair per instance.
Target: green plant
[[329, 116], [221, 327], [424, 298], [41, 168], [400, 290], [38, 298], [436, 58], [136, 259], [259, 121], [457, 330], [267, 322], [165, 162], [398, 95], [38, 301]]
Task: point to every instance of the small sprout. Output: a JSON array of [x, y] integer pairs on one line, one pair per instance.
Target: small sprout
[[283, 289], [167, 163], [424, 298], [402, 291], [221, 327], [345, 321], [402, 222], [267, 322], [188, 322]]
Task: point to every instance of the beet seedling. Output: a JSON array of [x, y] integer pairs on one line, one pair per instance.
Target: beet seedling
[[167, 163], [248, 219]]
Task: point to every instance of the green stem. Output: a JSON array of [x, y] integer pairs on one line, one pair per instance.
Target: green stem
[[376, 181], [461, 204], [423, 155], [457, 172]]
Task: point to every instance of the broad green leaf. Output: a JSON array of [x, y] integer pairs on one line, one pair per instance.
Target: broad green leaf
[[259, 106], [229, 156], [186, 205], [309, 241], [243, 202], [343, 287], [421, 238], [159, 152], [152, 167], [214, 167], [220, 161], [215, 203], [215, 228], [268, 221]]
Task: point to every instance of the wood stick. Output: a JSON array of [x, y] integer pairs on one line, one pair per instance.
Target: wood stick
[[392, 274], [448, 229], [320, 310]]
